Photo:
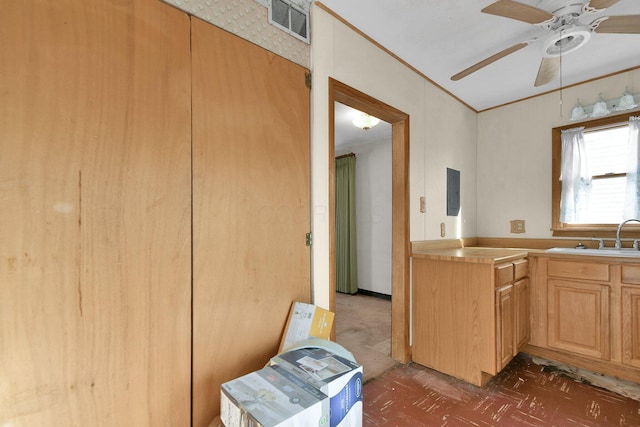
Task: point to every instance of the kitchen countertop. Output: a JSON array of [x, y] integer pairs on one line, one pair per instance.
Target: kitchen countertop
[[472, 254], [590, 258], [498, 255]]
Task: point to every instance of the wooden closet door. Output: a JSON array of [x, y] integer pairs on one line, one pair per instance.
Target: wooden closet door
[[95, 221], [251, 207]]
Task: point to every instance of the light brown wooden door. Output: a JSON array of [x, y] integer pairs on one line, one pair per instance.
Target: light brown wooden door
[[251, 207], [95, 218]]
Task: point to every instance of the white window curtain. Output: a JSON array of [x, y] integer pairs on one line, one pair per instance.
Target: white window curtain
[[575, 176], [632, 196]]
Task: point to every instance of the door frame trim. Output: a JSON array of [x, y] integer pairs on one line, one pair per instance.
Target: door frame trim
[[400, 244]]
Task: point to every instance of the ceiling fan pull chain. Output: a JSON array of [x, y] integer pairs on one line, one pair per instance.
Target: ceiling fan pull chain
[[560, 72]]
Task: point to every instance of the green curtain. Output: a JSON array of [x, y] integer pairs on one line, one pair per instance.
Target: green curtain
[[346, 261]]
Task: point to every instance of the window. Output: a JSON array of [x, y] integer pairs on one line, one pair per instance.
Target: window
[[607, 160], [286, 16], [606, 145]]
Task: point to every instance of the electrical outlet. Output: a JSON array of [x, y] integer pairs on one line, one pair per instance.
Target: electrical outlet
[[442, 230], [517, 226], [423, 205]]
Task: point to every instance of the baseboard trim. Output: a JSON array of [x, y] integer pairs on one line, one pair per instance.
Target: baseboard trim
[[374, 294], [606, 367]]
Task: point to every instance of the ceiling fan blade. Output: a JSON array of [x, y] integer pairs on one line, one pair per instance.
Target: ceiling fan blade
[[625, 24], [487, 61], [518, 11], [602, 4], [548, 71]]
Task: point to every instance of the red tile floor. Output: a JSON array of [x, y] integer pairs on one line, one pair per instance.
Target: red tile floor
[[523, 394]]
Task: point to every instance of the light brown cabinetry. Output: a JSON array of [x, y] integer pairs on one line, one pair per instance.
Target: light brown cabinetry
[[521, 292], [505, 321], [578, 304], [512, 310], [631, 325], [586, 312], [467, 311], [579, 317], [631, 315]]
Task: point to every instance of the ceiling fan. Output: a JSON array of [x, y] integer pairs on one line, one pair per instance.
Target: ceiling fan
[[563, 29]]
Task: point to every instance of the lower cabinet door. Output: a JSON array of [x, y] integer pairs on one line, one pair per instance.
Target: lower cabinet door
[[521, 293], [505, 316], [578, 317], [631, 325]]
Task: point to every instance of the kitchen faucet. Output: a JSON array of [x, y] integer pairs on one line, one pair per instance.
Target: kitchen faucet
[[618, 242]]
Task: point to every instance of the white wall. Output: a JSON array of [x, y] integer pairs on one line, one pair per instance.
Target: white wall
[[373, 215], [442, 134], [514, 155]]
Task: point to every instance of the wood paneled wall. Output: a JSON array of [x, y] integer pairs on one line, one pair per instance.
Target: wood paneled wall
[[95, 219], [251, 207], [154, 179]]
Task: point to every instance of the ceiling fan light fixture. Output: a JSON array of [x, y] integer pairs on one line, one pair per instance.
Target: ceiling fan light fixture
[[365, 121], [566, 41]]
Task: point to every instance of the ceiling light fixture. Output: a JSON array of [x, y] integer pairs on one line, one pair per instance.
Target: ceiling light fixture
[[578, 112], [365, 121], [626, 101], [600, 108], [605, 107]]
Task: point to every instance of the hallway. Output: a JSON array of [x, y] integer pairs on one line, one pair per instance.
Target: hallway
[[363, 326]]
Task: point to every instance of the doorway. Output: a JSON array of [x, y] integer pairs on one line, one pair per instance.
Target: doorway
[[363, 239], [400, 247]]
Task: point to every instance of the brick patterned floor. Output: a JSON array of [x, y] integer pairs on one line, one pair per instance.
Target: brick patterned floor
[[523, 394]]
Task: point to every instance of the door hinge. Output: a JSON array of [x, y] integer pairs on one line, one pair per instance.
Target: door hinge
[[307, 80], [308, 239]]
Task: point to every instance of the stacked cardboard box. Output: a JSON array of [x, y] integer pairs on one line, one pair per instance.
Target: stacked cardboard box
[[304, 386], [306, 321], [337, 377], [272, 397]]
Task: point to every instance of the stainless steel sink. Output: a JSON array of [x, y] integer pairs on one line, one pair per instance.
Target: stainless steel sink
[[625, 252]]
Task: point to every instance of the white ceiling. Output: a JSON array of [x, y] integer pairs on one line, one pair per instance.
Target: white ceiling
[[442, 38]]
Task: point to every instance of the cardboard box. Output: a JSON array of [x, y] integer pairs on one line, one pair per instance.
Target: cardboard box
[[272, 397], [337, 377], [306, 321]]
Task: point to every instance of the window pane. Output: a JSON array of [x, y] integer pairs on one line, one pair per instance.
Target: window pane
[[280, 13], [607, 150], [298, 22], [606, 204]]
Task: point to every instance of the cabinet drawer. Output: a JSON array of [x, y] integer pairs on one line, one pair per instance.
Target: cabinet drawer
[[521, 269], [631, 274], [578, 270], [504, 274]]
